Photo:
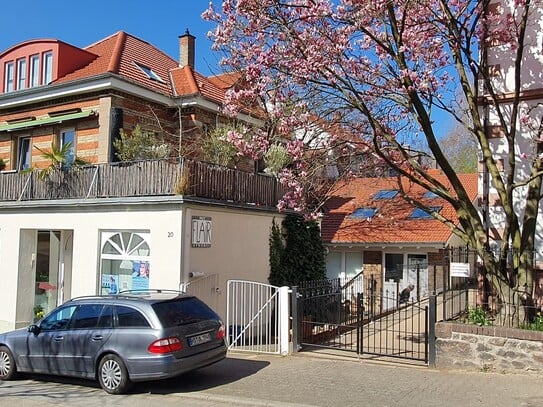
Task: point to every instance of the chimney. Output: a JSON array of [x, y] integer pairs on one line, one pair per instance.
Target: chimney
[[186, 49]]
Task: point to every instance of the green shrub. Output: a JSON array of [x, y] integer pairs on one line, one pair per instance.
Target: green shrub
[[478, 316], [536, 324]]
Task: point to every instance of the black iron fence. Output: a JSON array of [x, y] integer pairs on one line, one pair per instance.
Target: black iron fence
[[327, 314], [473, 299]]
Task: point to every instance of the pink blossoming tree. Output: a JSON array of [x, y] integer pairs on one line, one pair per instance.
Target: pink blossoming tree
[[378, 72]]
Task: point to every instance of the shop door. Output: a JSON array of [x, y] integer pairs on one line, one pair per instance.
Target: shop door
[[48, 278]]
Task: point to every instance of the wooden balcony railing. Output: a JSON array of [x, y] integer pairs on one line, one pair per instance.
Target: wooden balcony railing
[[144, 178]]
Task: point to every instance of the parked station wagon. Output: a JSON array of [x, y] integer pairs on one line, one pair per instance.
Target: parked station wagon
[[117, 339]]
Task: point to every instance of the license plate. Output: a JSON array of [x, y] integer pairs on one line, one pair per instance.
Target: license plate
[[199, 339]]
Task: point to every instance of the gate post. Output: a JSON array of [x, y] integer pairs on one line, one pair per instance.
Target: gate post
[[294, 317], [283, 320], [432, 308]]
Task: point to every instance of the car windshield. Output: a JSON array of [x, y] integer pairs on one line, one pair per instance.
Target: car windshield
[[182, 311]]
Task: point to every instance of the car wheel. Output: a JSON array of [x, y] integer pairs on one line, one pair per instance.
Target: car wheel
[[8, 368], [112, 375]]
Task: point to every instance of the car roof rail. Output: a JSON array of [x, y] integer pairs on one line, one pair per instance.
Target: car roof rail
[[82, 297], [150, 291]]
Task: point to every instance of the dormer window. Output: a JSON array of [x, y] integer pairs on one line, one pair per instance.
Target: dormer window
[[21, 73], [34, 70], [9, 79], [150, 73], [29, 71], [47, 68]]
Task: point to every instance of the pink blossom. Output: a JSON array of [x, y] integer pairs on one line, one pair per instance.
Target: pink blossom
[[376, 72]]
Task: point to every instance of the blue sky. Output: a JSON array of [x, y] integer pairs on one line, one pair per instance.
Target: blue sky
[[81, 23]]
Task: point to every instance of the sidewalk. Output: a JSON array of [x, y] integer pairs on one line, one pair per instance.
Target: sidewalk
[[316, 379], [306, 379]]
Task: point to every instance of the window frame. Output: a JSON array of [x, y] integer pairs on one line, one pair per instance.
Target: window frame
[[116, 323], [47, 68], [56, 312], [150, 73], [123, 255], [34, 79], [75, 316], [384, 194], [62, 142], [21, 73], [9, 76], [21, 141], [364, 212], [421, 214]]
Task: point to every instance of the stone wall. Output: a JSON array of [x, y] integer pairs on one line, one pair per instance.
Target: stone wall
[[488, 348]]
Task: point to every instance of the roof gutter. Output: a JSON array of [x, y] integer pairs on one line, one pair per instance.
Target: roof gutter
[[97, 83]]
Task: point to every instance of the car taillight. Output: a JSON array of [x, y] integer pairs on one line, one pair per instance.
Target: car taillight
[[165, 345], [221, 333]]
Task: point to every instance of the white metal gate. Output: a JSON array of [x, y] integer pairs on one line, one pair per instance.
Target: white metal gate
[[257, 317]]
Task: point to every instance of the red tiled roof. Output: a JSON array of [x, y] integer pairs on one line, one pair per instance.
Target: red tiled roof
[[391, 223], [187, 81], [121, 52], [226, 80]]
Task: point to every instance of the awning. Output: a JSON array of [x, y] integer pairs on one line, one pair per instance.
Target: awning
[[45, 120]]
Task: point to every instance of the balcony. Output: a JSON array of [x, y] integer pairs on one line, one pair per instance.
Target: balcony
[[144, 178]]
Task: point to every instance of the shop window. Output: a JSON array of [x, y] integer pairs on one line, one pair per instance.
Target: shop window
[[125, 261]]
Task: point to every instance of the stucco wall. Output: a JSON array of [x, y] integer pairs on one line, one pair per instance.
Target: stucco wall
[[488, 348], [163, 224], [238, 250]]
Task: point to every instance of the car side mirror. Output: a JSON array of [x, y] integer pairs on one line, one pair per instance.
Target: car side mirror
[[35, 329]]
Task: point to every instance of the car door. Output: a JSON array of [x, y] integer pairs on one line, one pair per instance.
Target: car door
[[90, 329], [46, 350]]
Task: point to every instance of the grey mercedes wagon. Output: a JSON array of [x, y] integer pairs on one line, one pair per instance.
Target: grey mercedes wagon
[[117, 339]]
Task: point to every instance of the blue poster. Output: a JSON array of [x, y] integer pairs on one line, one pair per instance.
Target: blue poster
[[140, 275], [110, 284]]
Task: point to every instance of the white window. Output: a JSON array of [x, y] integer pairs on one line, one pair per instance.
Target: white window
[[9, 77], [21, 73], [344, 265], [34, 70], [47, 68], [24, 154], [125, 261], [67, 137]]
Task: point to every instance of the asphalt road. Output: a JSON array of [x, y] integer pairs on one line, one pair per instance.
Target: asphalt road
[[305, 379]]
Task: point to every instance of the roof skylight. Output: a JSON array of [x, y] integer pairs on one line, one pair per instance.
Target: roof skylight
[[364, 213], [430, 195], [150, 73], [386, 194], [419, 213]]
